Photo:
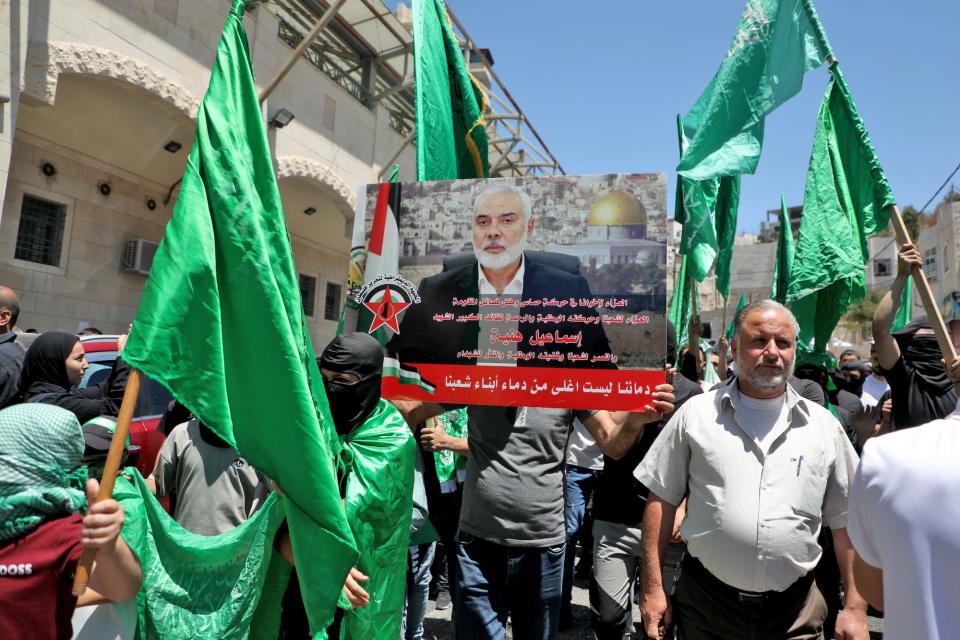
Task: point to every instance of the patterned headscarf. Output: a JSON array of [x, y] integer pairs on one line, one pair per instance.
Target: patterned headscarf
[[40, 473]]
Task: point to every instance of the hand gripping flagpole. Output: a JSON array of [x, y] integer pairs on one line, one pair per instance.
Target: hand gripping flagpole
[[114, 457], [926, 294]]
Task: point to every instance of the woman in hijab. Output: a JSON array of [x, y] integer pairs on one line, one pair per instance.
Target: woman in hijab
[[43, 530], [56, 362]]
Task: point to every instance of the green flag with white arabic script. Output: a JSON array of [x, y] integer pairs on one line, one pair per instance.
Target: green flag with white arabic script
[[847, 200], [776, 43], [225, 258]]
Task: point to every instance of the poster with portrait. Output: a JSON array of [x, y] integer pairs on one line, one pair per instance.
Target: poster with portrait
[[543, 291]]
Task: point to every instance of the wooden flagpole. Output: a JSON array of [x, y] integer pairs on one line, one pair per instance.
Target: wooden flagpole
[[926, 293], [110, 471]]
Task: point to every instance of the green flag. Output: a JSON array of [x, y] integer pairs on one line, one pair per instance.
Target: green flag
[[725, 218], [905, 310], [784, 261], [776, 43], [732, 327], [847, 200], [221, 323], [681, 306], [451, 138], [707, 209]]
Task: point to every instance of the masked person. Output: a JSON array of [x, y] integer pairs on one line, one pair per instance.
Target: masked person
[[920, 389], [375, 470], [43, 530]]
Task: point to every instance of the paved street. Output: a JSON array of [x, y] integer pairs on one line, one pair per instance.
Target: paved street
[[437, 625]]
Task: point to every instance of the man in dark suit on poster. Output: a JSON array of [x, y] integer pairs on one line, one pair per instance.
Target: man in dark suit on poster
[[507, 307]]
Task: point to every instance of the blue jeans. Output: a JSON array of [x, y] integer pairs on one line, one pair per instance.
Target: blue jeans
[[419, 559], [495, 582], [578, 487]]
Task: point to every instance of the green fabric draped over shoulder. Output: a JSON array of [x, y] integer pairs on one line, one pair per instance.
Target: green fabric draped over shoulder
[[41, 478], [377, 461], [227, 586]]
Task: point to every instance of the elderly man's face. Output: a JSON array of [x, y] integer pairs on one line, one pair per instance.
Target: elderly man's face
[[499, 230], [765, 349]]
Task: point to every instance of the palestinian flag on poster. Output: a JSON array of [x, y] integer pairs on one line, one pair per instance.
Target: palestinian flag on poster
[[378, 294]]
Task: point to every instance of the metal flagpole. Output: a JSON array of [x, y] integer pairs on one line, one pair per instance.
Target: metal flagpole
[[295, 56]]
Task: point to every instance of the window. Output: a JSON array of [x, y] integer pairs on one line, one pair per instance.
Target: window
[[331, 305], [943, 258], [882, 267], [308, 293], [40, 235], [930, 264]]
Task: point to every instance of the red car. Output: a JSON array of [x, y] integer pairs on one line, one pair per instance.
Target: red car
[[145, 438]]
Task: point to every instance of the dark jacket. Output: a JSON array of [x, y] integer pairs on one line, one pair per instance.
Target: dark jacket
[[422, 339], [99, 400], [11, 361], [619, 496]]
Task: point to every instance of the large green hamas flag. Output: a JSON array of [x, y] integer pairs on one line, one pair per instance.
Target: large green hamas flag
[[221, 323], [776, 43], [451, 139], [847, 200]]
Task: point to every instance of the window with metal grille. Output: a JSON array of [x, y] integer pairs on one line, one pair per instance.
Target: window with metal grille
[[308, 293], [40, 235], [331, 306]]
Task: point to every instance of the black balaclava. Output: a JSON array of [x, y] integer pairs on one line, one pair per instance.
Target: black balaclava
[[46, 360], [923, 354], [359, 354], [852, 384]]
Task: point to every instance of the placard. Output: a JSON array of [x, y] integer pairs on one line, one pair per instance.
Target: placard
[[546, 291]]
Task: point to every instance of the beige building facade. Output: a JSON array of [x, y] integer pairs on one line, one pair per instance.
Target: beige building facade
[[99, 119]]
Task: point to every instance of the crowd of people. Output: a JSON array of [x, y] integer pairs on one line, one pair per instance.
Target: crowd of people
[[783, 501]]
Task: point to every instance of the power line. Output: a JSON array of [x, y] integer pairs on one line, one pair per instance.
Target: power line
[[945, 182], [924, 207]]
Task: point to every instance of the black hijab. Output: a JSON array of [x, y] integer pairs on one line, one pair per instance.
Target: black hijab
[[359, 354], [46, 359]]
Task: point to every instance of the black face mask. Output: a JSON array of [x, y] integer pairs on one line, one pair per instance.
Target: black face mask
[[351, 403], [923, 354]]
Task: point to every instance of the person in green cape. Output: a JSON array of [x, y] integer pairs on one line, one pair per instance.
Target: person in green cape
[[375, 470]]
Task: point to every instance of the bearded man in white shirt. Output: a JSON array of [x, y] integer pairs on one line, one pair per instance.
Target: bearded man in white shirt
[[763, 469]]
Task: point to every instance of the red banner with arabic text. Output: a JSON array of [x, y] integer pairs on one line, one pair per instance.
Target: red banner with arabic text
[[624, 390]]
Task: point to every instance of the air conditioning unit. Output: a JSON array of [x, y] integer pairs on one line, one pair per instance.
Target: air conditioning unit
[[138, 256]]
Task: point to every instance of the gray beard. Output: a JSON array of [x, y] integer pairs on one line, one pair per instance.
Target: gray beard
[[764, 381], [502, 260]]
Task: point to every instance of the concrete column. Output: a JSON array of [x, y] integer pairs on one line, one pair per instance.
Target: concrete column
[[13, 55]]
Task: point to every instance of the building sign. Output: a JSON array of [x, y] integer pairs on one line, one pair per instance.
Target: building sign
[[545, 291]]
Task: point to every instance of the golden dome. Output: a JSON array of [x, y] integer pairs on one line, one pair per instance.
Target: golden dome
[[617, 208]]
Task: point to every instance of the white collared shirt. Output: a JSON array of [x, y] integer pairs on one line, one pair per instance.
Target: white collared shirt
[[753, 516], [485, 342], [515, 288], [904, 518]]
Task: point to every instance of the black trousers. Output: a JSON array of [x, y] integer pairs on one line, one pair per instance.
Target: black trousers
[[706, 608]]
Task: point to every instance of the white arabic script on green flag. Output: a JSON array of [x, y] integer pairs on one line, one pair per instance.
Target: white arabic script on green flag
[[776, 43]]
